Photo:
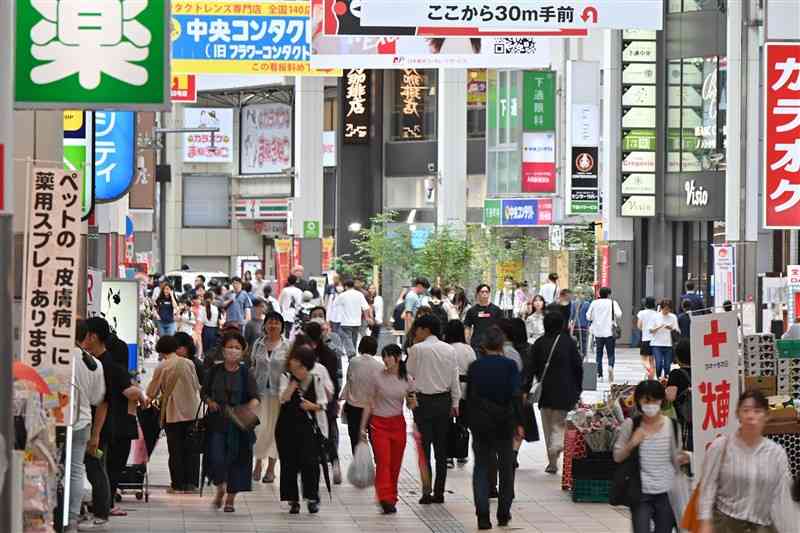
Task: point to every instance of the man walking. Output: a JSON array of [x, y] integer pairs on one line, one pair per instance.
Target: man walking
[[550, 290], [237, 304], [415, 299], [352, 308], [433, 365], [303, 284], [480, 317], [604, 313]]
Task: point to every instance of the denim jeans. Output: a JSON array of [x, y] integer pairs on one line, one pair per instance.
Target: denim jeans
[[582, 337], [166, 328], [101, 488], [80, 439], [352, 333], [485, 449], [653, 507], [609, 343], [663, 357]]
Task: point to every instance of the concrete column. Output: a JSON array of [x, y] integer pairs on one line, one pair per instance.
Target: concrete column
[[737, 115], [308, 187], [451, 194]]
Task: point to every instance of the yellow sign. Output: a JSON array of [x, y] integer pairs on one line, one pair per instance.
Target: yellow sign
[[508, 268], [73, 120]]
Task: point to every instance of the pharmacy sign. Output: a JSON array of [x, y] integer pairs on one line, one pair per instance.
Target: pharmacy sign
[[109, 54]]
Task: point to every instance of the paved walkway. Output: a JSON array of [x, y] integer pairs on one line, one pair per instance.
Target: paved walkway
[[540, 504]]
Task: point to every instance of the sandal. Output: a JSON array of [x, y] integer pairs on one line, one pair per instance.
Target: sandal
[[269, 477], [228, 509], [116, 511]]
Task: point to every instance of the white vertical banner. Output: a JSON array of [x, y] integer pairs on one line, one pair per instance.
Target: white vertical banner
[[120, 307], [583, 138], [715, 380], [94, 291], [724, 274], [51, 275]]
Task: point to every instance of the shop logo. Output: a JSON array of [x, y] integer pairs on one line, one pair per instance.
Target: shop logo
[[696, 196], [584, 163]]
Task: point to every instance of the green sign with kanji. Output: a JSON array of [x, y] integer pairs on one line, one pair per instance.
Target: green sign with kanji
[[539, 100], [492, 211], [109, 54], [311, 229]]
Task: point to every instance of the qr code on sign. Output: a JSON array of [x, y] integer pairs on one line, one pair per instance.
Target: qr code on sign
[[514, 45]]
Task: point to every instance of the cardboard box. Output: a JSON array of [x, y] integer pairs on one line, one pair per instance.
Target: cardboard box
[[768, 385], [781, 415]]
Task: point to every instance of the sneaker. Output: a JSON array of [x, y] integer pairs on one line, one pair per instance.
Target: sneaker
[[426, 499], [451, 463], [551, 469], [95, 525], [611, 374]]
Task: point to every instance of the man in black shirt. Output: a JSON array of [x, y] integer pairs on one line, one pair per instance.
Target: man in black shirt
[[480, 317], [115, 427]]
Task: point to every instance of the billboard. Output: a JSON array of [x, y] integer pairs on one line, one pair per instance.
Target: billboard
[[539, 162], [197, 146], [519, 212], [246, 37], [114, 150], [266, 139]]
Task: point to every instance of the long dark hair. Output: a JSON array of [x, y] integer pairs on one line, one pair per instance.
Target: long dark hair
[[393, 350], [209, 298]]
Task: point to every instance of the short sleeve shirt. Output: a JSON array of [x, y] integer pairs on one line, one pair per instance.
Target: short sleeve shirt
[[480, 318], [236, 311], [412, 303]]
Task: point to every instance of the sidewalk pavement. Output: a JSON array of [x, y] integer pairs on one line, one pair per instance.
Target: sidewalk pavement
[[540, 504]]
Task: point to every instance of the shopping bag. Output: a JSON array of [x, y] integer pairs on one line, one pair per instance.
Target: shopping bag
[[457, 440], [679, 495], [689, 520], [529, 423], [139, 455], [361, 473]]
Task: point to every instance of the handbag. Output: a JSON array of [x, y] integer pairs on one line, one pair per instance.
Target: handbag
[[241, 415], [457, 440], [690, 520], [626, 483], [536, 390], [196, 435], [614, 325]]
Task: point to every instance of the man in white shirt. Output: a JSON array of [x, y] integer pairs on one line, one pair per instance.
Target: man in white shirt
[[290, 302], [550, 290], [644, 321], [434, 367], [91, 386], [351, 308], [604, 313], [259, 284]]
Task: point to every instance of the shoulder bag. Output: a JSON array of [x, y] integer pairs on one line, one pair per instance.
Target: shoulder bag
[[196, 435], [614, 324], [690, 520], [626, 483], [536, 390], [241, 415]]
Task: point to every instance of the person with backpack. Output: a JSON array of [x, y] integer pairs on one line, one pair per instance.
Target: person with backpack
[[654, 442], [679, 390], [604, 314], [439, 307]]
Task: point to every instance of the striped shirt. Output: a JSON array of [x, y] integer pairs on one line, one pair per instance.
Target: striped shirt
[[657, 455], [754, 484]]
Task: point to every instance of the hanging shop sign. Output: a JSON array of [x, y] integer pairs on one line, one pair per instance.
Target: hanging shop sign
[[583, 183], [283, 262], [143, 192], [51, 275], [311, 229], [92, 55], [638, 124], [183, 88], [270, 209], [246, 37], [520, 14], [715, 379], [539, 162], [476, 89], [724, 274], [266, 139], [583, 137], [782, 127], [120, 307], [78, 143], [518, 212], [114, 154], [328, 149], [343, 17], [413, 86], [197, 146], [539, 101], [356, 102], [94, 291], [327, 253]]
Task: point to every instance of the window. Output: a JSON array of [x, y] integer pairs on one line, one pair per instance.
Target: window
[[504, 131], [696, 114], [206, 201], [687, 6], [329, 114], [414, 105], [476, 103]]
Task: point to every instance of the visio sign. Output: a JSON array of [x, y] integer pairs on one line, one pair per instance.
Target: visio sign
[[696, 196]]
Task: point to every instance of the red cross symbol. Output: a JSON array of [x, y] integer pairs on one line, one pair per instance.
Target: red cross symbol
[[715, 338]]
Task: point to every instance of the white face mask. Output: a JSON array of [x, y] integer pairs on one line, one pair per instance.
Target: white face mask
[[651, 409]]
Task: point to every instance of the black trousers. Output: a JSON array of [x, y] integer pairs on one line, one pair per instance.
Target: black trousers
[[184, 469], [298, 455], [333, 432], [432, 417], [116, 460], [490, 451], [101, 490], [354, 415]]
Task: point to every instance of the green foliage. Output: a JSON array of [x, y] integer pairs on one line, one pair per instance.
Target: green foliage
[[581, 243], [446, 258]]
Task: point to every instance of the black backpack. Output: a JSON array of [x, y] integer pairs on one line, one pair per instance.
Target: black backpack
[[438, 311], [397, 316]]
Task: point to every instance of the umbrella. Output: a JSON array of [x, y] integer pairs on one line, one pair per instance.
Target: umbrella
[[322, 443], [24, 372]]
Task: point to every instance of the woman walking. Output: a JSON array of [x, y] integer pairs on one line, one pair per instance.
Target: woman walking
[[746, 483], [534, 324], [303, 399], [644, 321], [229, 452], [390, 388], [167, 307], [658, 441], [209, 316], [558, 366], [269, 362], [175, 382], [465, 356], [661, 328]]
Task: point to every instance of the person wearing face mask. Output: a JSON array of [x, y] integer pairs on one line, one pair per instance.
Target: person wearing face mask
[[229, 450], [657, 438], [269, 361], [746, 482], [505, 298]]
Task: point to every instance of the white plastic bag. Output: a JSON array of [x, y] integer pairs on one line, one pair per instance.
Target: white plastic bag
[[679, 496], [361, 473]]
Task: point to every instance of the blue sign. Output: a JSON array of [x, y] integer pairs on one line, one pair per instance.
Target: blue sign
[[526, 212], [419, 237], [114, 153]]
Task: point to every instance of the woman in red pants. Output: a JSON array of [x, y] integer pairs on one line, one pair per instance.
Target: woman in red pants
[[390, 389]]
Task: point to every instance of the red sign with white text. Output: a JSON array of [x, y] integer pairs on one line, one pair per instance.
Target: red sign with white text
[[782, 136], [183, 88]]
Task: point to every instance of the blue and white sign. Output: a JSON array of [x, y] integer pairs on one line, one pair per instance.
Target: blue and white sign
[[526, 212], [114, 151]]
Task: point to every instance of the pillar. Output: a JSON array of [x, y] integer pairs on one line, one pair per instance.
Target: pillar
[[308, 184], [451, 194]]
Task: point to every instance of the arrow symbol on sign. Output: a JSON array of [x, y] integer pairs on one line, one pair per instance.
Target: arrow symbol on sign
[[589, 12]]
